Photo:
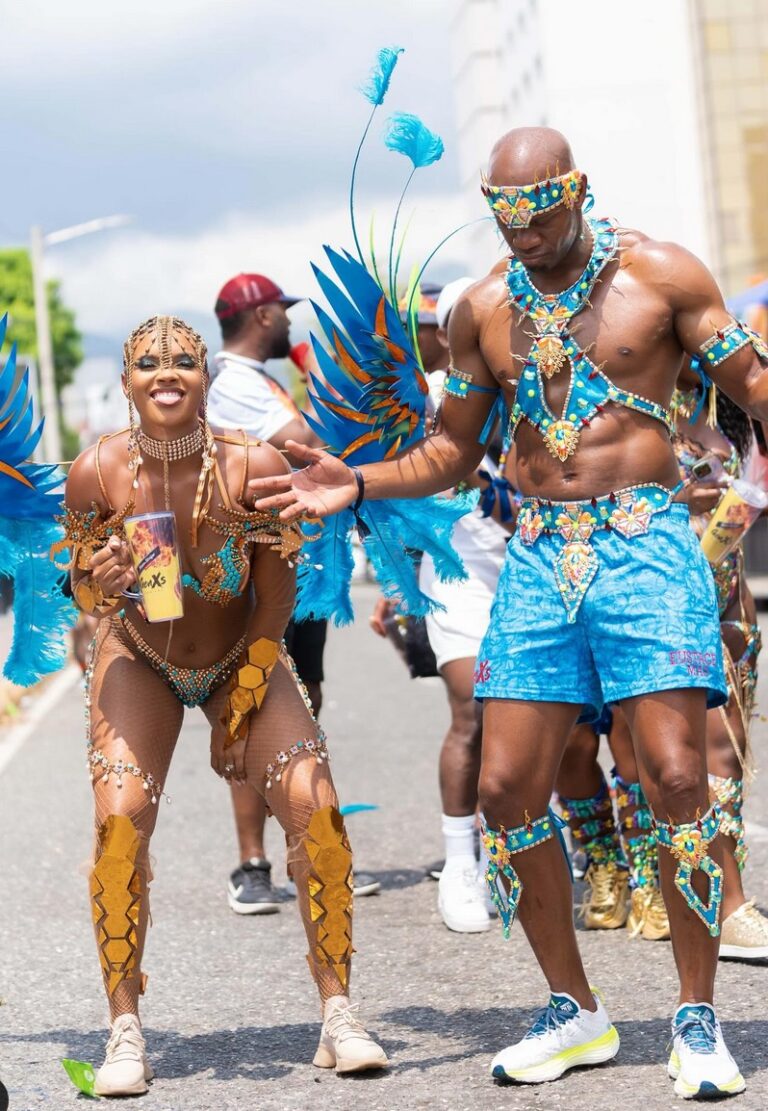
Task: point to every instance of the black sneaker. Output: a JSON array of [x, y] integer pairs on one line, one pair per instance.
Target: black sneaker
[[249, 890], [362, 884]]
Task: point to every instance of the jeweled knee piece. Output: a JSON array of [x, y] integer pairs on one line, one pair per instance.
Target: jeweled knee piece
[[688, 844], [330, 890], [501, 845], [115, 887]]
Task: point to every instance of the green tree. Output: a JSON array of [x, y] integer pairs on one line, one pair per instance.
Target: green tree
[[17, 299]]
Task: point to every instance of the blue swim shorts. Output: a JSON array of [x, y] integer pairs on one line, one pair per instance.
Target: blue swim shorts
[[633, 612]]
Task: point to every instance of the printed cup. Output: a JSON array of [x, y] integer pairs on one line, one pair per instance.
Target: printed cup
[[736, 512], [155, 553]]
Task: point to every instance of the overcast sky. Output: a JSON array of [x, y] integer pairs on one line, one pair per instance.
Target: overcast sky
[[225, 127]]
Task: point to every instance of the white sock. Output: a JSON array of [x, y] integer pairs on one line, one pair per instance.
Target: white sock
[[459, 836]]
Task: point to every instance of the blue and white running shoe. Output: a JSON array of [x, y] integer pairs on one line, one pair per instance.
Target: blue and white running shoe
[[700, 1064], [563, 1036]]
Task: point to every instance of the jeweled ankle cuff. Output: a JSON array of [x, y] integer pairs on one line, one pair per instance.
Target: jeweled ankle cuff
[[502, 844], [688, 844]]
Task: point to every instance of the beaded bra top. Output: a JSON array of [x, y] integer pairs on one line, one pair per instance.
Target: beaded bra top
[[227, 570], [554, 346]]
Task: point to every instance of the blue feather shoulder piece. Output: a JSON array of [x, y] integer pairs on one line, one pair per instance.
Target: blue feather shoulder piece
[[370, 405], [30, 496]]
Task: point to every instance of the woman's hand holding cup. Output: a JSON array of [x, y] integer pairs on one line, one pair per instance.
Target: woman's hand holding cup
[[111, 567]]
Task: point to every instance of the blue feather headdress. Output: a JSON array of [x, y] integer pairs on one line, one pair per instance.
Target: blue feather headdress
[[30, 495], [369, 405]]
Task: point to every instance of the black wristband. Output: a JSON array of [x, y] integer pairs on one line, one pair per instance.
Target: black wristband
[[362, 528], [360, 488]]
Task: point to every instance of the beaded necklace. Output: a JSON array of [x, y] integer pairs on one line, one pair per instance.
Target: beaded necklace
[[553, 346]]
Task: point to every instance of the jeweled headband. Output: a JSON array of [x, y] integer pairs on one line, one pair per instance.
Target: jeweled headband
[[516, 205]]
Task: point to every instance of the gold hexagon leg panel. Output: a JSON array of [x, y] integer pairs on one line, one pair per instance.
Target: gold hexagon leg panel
[[248, 686], [115, 887], [330, 890]]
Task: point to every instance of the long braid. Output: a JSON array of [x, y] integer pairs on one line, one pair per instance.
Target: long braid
[[734, 424]]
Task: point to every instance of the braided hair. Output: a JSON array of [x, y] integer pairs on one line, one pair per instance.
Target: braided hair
[[734, 424]]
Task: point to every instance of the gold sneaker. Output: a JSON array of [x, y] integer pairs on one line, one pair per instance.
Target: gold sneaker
[[744, 934], [648, 917], [605, 904]]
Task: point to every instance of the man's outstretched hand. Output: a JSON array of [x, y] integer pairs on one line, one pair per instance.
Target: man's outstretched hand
[[323, 487]]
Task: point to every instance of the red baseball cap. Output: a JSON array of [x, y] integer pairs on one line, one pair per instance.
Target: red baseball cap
[[248, 291]]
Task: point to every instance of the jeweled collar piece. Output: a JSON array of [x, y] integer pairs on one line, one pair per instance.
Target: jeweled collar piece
[[554, 346], [171, 450], [516, 205]]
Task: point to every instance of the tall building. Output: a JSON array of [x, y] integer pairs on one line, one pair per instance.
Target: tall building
[[665, 105]]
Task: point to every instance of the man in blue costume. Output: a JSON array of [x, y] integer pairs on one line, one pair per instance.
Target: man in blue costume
[[605, 595]]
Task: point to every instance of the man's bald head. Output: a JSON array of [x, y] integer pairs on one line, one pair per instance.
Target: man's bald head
[[528, 154]]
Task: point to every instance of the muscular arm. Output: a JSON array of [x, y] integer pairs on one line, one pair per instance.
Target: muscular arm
[[327, 485], [299, 431], [699, 312], [454, 451]]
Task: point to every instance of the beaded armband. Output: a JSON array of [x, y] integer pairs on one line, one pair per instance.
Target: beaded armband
[[91, 599], [459, 384], [688, 843], [85, 533], [727, 341], [249, 686]]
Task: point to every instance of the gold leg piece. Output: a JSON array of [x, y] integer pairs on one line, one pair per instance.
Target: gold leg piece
[[115, 887], [330, 890]]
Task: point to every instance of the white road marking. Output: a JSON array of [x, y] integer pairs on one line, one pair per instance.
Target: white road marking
[[39, 708]]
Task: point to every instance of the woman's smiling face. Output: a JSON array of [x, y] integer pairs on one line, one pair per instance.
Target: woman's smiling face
[[167, 369]]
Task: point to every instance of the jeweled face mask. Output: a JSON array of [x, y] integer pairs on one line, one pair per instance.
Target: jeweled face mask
[[516, 205]]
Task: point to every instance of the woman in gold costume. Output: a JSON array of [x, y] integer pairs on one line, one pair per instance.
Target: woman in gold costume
[[225, 655]]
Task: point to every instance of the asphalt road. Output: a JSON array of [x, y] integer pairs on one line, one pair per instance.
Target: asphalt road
[[230, 1015]]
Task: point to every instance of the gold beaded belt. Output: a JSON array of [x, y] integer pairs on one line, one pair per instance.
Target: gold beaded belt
[[191, 685]]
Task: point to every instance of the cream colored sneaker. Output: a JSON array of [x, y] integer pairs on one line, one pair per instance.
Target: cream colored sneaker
[[744, 934], [344, 1043], [125, 1071], [605, 904], [648, 916]]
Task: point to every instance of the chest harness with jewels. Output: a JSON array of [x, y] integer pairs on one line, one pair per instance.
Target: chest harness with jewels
[[554, 346]]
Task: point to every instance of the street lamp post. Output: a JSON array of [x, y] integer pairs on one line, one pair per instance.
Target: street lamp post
[[46, 373]]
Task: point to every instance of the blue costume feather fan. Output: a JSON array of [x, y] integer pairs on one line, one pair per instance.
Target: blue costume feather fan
[[30, 496], [369, 404]]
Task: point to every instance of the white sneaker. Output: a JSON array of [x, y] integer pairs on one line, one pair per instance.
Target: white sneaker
[[125, 1071], [564, 1035], [700, 1064], [485, 894], [344, 1043], [459, 899]]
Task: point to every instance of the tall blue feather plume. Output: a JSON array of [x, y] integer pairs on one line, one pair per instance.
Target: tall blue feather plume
[[407, 135], [369, 405], [374, 91], [377, 85]]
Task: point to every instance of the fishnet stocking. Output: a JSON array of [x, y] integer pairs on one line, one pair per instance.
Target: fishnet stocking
[[137, 719], [305, 786]]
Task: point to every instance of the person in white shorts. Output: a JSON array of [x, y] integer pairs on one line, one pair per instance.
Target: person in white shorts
[[454, 635]]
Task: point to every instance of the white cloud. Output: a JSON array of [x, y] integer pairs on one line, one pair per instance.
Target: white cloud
[[114, 280]]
